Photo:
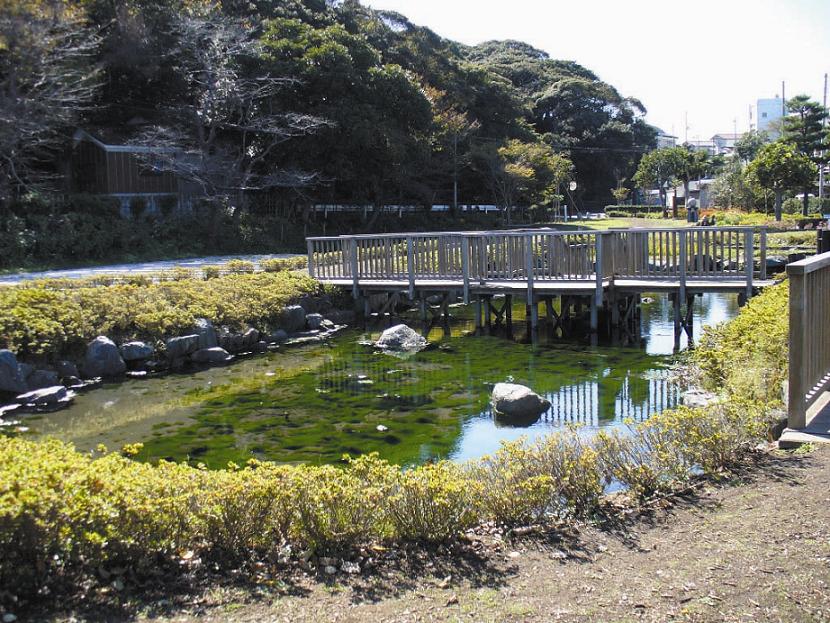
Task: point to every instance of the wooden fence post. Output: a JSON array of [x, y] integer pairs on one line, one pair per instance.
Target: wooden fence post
[[410, 266], [749, 253], [310, 245], [465, 267], [683, 262], [763, 259], [797, 408], [355, 269]]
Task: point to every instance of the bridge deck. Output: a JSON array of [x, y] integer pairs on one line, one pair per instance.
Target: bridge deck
[[544, 263]]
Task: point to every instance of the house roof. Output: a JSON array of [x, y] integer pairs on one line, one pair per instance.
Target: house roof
[[728, 136], [83, 135]]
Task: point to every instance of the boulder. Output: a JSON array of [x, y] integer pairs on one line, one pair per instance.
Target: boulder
[[278, 337], [517, 401], [207, 334], [698, 398], [292, 318], [213, 355], [11, 378], [103, 358], [261, 346], [401, 338], [47, 397], [42, 378], [136, 351], [342, 316], [66, 369], [313, 321], [250, 339], [26, 370], [178, 347]]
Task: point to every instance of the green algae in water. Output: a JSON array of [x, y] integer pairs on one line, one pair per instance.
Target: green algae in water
[[316, 403]]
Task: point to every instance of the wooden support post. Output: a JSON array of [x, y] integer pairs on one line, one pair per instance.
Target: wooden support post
[[599, 291], [594, 314], [465, 267], [423, 306], [534, 312], [487, 309], [749, 253], [478, 311], [799, 334], [508, 312], [410, 266], [683, 262], [528, 242], [310, 258], [549, 311], [367, 305], [677, 326], [355, 269], [762, 272]]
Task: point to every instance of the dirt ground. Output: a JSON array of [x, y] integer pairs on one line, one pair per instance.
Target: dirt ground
[[753, 548]]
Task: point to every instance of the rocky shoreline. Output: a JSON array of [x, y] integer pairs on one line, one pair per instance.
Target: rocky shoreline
[[26, 388]]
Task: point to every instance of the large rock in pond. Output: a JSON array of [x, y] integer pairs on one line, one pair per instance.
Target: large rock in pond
[[517, 401], [11, 377], [213, 356], [47, 398], [42, 378], [136, 351], [401, 338], [103, 358], [313, 321], [292, 318], [206, 332], [178, 347]]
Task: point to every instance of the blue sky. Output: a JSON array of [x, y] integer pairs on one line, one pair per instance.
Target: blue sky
[[710, 58]]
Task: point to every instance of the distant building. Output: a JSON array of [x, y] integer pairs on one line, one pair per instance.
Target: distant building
[[125, 172], [769, 111], [665, 140], [725, 143], [707, 146]]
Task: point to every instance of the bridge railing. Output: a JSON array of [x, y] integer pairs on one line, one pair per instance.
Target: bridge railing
[[705, 253], [809, 373]]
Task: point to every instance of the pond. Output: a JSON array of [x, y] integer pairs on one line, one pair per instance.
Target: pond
[[315, 403]]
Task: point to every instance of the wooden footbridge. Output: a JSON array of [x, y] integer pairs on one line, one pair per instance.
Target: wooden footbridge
[[605, 272]]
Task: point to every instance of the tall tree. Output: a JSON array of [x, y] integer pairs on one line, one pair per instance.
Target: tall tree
[[48, 80], [748, 145], [661, 168], [804, 128], [224, 129], [780, 167]]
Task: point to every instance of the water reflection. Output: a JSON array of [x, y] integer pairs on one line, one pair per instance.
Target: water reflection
[[316, 403]]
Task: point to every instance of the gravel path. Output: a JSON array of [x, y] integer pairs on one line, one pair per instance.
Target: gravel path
[[137, 268]]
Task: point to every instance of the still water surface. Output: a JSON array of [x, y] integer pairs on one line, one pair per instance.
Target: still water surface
[[316, 403]]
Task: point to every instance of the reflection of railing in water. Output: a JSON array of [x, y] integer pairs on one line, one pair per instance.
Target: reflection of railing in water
[[633, 397]]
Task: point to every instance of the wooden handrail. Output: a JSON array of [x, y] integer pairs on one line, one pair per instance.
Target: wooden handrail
[[809, 340]]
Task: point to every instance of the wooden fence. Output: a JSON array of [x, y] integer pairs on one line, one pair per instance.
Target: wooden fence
[[809, 374], [706, 253]]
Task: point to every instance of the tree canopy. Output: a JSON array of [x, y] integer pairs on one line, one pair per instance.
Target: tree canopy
[[312, 100]]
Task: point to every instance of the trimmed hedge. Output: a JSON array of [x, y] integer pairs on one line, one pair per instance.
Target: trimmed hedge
[[53, 318]]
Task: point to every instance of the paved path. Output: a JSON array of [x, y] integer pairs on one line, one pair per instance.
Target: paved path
[[137, 268]]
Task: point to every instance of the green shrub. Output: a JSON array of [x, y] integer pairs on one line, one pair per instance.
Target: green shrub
[[58, 317], [239, 267], [275, 265], [747, 357], [431, 503], [211, 272]]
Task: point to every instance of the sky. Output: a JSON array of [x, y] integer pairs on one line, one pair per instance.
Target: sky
[[707, 61]]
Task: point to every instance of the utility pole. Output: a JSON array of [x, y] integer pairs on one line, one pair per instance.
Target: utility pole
[[783, 101], [686, 127]]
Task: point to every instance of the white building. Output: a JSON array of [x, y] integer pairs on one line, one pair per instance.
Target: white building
[[769, 111], [725, 143], [665, 140]]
